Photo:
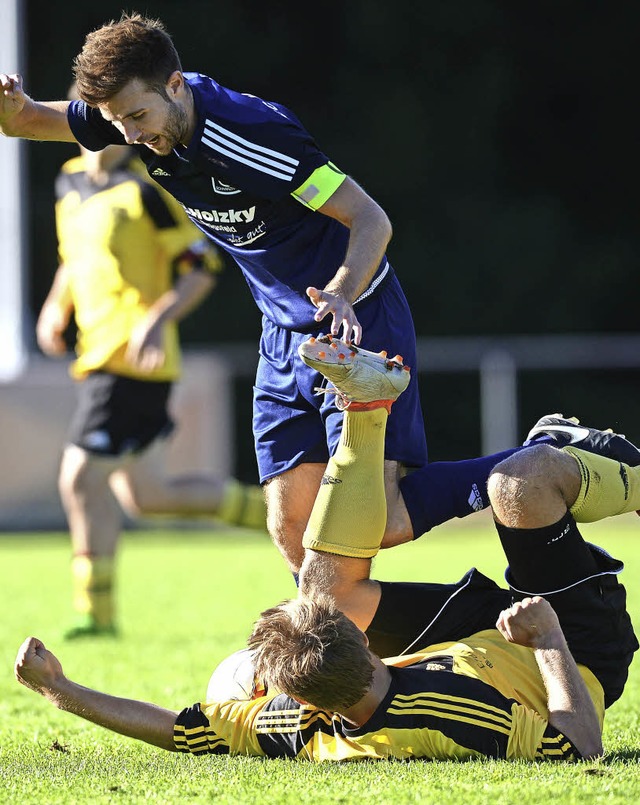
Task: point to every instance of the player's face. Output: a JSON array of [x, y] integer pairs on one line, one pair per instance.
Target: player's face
[[145, 117]]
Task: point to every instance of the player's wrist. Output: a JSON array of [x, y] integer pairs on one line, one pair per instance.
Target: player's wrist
[[61, 692], [550, 639]]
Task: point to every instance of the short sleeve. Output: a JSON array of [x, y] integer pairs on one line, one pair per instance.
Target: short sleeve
[[556, 746], [90, 129], [320, 186]]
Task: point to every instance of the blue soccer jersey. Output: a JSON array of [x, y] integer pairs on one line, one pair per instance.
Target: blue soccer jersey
[[251, 179]]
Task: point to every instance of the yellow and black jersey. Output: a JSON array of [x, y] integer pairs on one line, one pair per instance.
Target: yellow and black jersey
[[482, 697], [120, 243]]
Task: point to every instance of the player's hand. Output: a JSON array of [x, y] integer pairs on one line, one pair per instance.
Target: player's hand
[[344, 317], [531, 622], [50, 335], [145, 349], [12, 96], [36, 667]]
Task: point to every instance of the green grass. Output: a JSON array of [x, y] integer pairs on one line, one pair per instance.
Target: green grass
[[187, 599]]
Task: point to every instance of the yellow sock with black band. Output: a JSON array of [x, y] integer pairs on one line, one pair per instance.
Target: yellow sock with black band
[[93, 579], [350, 512], [608, 487]]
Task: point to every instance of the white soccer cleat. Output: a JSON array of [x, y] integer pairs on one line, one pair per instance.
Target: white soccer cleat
[[361, 379]]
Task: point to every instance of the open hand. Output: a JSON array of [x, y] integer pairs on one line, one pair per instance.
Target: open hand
[[342, 311]]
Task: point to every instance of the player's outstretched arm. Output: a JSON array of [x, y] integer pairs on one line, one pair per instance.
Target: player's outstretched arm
[[534, 623], [20, 116], [39, 669]]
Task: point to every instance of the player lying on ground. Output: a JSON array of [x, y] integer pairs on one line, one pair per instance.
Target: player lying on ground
[[520, 673]]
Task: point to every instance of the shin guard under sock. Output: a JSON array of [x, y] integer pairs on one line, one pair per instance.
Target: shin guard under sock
[[350, 512], [608, 487]]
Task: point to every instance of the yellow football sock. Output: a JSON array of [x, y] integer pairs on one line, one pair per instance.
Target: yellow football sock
[[93, 579], [608, 487], [243, 505], [350, 512]]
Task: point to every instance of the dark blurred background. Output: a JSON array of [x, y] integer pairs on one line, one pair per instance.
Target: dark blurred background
[[497, 136]]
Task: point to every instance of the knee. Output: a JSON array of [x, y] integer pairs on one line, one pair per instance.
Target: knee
[[523, 473], [533, 484], [133, 505], [132, 496], [77, 476]]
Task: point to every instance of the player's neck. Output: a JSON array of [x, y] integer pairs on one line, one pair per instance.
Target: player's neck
[[361, 712], [190, 108]]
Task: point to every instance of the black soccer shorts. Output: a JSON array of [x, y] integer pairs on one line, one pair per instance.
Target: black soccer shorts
[[118, 415], [578, 579]]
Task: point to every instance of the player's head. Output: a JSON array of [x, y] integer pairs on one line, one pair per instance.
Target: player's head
[[311, 651], [132, 47], [131, 72]]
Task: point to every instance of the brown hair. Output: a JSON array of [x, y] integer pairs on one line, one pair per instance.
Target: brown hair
[[118, 52], [311, 651]]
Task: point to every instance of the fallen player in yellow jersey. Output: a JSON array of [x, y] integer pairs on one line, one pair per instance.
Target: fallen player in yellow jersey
[[519, 673]]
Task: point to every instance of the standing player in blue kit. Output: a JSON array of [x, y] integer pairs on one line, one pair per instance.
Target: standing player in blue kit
[[309, 240]]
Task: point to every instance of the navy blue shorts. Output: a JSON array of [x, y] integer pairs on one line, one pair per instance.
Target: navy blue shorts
[[293, 425]]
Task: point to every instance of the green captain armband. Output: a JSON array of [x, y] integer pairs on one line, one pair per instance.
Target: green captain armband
[[320, 186]]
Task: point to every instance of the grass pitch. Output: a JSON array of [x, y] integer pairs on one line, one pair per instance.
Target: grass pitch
[[187, 598]]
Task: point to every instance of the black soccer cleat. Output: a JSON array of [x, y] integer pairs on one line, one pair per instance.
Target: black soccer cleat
[[568, 431]]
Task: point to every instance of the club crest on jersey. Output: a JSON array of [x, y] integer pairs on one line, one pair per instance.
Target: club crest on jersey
[[223, 189]]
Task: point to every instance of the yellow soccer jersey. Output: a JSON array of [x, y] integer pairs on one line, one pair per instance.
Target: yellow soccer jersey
[[474, 698], [118, 243]]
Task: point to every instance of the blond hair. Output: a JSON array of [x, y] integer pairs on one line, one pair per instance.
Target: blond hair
[[311, 651], [119, 52]]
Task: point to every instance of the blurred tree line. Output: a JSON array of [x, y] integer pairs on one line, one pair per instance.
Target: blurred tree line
[[496, 135]]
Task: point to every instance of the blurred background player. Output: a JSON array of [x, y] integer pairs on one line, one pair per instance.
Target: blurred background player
[[132, 266]]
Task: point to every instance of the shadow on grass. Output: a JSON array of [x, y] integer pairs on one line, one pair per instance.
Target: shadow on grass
[[623, 755]]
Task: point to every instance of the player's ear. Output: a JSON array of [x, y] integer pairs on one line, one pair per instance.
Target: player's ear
[[175, 83]]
